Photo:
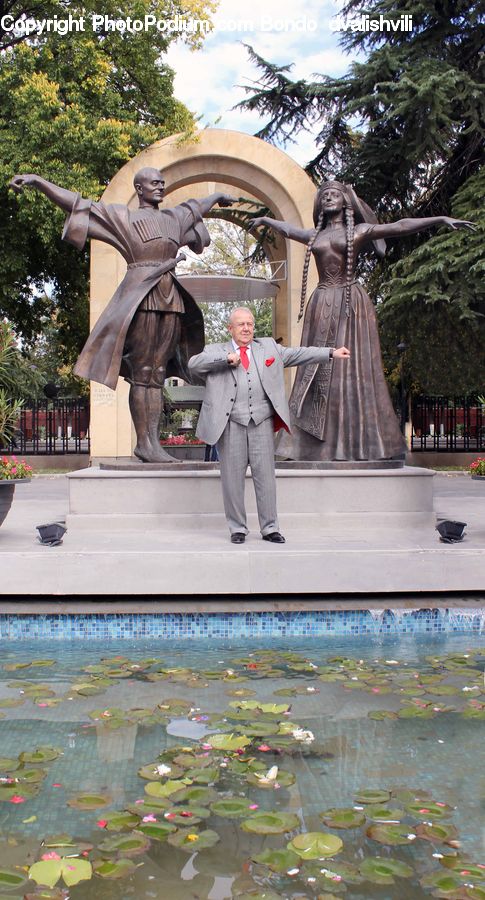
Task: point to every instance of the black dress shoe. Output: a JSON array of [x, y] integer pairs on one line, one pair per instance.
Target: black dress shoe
[[275, 537], [238, 537]]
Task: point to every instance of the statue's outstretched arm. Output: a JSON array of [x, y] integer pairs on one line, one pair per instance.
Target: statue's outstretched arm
[[303, 235], [60, 196], [217, 199], [412, 226]]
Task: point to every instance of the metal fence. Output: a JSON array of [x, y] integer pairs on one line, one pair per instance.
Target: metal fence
[[48, 427], [448, 424]]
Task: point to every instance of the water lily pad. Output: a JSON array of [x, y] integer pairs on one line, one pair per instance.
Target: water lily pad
[[175, 706], [283, 779], [416, 712], [240, 692], [120, 820], [196, 796], [278, 860], [10, 880], [114, 868], [151, 772], [89, 801], [186, 815], [203, 776], [463, 867], [41, 755], [429, 810], [227, 741], [191, 761], [150, 805], [126, 844], [392, 835], [8, 764], [446, 884], [443, 690], [270, 823], [49, 871], [437, 833], [381, 870], [475, 893], [11, 702], [231, 808], [370, 796], [157, 831], [378, 813], [194, 840], [30, 776], [165, 789], [315, 845], [379, 714], [342, 818], [473, 713]]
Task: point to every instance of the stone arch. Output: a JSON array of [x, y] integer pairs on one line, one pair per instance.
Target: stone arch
[[216, 160]]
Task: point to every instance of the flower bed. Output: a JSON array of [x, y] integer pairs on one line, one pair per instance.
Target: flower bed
[[477, 467], [13, 469]]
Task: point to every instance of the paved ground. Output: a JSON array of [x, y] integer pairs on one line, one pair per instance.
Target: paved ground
[[139, 565]]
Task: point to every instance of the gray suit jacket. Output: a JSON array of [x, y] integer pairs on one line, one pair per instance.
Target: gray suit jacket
[[210, 368]]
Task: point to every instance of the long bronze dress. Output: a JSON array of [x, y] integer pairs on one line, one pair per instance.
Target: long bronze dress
[[341, 411]]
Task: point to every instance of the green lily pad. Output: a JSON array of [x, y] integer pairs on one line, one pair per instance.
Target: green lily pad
[[30, 776], [8, 764], [194, 840], [240, 692], [260, 729], [157, 789], [372, 796], [120, 820], [41, 755], [437, 833], [203, 776], [472, 713], [343, 818], [446, 883], [378, 813], [429, 810], [190, 761], [443, 690], [186, 815], [416, 712], [232, 808], [10, 880], [379, 714], [381, 870], [89, 801], [27, 791], [475, 893], [126, 844], [315, 845], [278, 860], [392, 835], [114, 868], [49, 871], [157, 831], [463, 868], [12, 667], [151, 773], [175, 706], [227, 741], [11, 702], [270, 823], [150, 805], [196, 796]]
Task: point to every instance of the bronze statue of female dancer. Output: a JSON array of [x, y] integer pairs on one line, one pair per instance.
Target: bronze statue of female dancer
[[344, 412]]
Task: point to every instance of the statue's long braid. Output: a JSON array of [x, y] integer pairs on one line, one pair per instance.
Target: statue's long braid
[[306, 264], [349, 271]]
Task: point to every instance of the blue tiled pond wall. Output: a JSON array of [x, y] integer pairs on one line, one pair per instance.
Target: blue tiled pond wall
[[187, 626]]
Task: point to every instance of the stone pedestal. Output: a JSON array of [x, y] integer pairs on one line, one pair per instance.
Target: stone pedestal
[[308, 499]]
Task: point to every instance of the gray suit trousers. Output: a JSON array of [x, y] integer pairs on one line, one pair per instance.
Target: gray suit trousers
[[238, 446]]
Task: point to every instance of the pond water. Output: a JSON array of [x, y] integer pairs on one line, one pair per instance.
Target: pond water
[[296, 768]]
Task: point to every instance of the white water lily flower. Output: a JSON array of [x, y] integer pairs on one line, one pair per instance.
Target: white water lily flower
[[292, 871], [305, 736], [270, 776], [392, 662], [163, 769]]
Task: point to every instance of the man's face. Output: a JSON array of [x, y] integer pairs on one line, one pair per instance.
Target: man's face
[[150, 187], [241, 327]]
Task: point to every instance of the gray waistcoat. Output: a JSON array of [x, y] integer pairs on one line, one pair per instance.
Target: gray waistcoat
[[251, 401]]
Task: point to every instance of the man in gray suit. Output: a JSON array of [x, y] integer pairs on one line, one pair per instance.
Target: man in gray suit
[[244, 400]]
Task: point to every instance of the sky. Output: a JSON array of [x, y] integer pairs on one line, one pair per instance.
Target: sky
[[210, 81]]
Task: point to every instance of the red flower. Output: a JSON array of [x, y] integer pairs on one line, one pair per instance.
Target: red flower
[[269, 361]]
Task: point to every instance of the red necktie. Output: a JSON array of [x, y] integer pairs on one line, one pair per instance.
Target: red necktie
[[243, 352]]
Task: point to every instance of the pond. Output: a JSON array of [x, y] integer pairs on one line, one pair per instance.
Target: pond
[[319, 767]]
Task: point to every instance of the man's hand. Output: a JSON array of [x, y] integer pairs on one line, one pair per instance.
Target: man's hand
[[226, 200], [233, 359], [341, 353], [19, 182]]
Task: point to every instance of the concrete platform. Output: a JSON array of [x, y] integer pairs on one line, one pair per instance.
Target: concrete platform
[[362, 560]]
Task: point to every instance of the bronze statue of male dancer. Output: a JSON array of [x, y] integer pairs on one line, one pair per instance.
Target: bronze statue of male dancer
[[151, 326]]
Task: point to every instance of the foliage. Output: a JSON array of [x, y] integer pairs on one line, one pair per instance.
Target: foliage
[[11, 468], [477, 467], [405, 127], [74, 108], [9, 408]]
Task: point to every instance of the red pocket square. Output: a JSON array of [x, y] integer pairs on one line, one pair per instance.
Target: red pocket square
[[270, 361]]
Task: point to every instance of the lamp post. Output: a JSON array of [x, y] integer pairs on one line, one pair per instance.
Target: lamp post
[[401, 348]]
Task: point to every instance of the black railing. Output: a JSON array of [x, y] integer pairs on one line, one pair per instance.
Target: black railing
[[48, 427], [448, 424]]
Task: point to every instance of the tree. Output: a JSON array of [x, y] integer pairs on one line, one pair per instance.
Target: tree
[[231, 252], [75, 108], [405, 127]]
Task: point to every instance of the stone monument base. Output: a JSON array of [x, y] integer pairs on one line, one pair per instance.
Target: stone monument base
[[166, 498]]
